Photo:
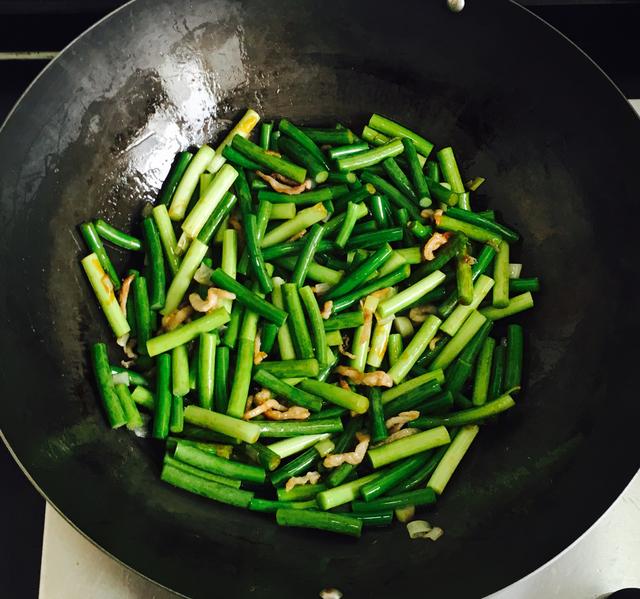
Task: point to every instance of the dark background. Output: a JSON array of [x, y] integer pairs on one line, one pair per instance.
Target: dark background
[[606, 31]]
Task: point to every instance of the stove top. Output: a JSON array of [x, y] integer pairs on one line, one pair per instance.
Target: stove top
[[604, 559]]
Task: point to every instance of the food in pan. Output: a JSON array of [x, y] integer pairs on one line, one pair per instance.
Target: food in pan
[[310, 322]]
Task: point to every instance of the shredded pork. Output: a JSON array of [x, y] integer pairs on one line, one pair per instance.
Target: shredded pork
[[344, 385], [176, 318], [273, 409], [269, 404], [395, 423], [124, 293], [401, 434], [434, 242], [354, 457], [287, 187], [286, 180], [326, 310], [436, 216], [293, 413], [343, 345], [214, 296], [310, 478], [258, 355], [263, 395], [379, 378]]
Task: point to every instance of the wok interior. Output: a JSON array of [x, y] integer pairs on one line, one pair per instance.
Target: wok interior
[[91, 140]]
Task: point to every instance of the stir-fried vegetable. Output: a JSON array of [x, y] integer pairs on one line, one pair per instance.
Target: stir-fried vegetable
[[308, 317]]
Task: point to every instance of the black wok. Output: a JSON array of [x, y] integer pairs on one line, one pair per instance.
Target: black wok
[[95, 134]]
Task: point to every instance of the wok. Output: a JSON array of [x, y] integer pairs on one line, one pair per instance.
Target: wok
[[95, 135]]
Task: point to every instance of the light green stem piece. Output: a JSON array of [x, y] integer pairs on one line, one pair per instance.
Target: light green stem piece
[[412, 255], [411, 294], [167, 237], [395, 261], [293, 445], [501, 276], [336, 395], [103, 288], [180, 370], [185, 333], [334, 338], [452, 457], [408, 446], [362, 336], [143, 397], [244, 365], [458, 342], [189, 182], [393, 129], [243, 128], [398, 390], [517, 304], [285, 211], [285, 342], [182, 279], [203, 208], [456, 319], [344, 493], [415, 349], [134, 420], [403, 326], [248, 432], [302, 220], [229, 260], [380, 336]]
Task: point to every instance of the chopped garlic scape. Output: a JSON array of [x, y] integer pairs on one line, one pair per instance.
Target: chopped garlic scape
[[418, 529], [120, 378], [421, 529], [405, 514], [243, 128], [435, 533], [515, 270], [203, 274]]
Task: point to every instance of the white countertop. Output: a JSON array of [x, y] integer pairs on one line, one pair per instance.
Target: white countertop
[[605, 559]]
